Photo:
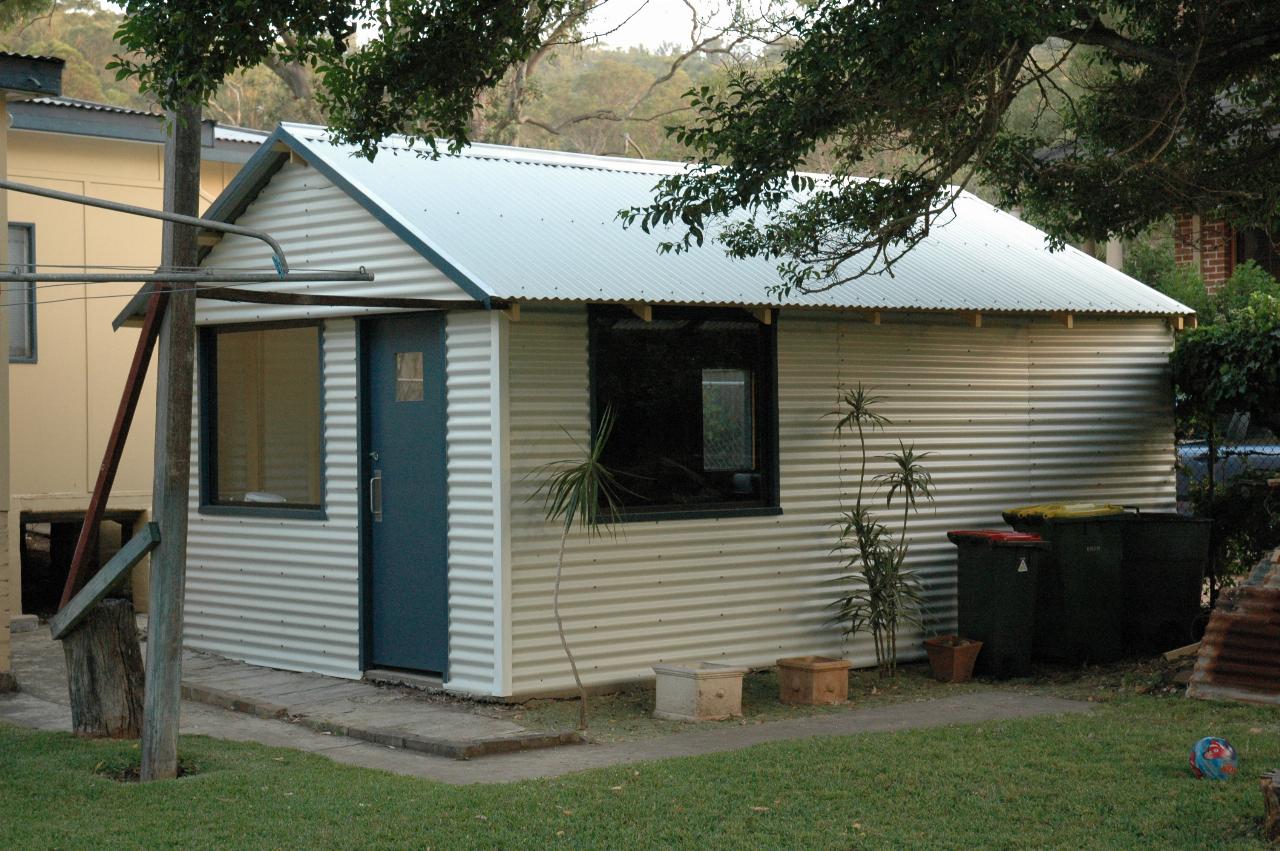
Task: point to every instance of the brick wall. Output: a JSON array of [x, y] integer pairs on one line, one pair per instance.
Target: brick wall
[[1208, 245]]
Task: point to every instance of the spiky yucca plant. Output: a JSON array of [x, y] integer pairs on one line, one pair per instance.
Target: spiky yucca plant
[[580, 492]]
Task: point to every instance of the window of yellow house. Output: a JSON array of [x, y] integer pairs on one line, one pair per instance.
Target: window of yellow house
[[261, 419], [20, 299]]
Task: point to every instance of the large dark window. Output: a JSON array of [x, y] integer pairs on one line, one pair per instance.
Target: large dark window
[[693, 397], [260, 423], [1254, 244]]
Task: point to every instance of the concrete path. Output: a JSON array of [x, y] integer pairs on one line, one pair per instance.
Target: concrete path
[[43, 705], [396, 717]]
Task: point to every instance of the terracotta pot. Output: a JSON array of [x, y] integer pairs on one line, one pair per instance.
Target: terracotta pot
[[951, 657], [813, 680]]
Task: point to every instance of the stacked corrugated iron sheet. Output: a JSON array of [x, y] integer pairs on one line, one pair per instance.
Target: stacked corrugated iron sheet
[[1240, 655]]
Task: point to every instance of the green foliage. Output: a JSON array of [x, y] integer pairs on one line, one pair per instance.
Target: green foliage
[[1231, 366], [21, 12], [83, 35], [1154, 265], [424, 72], [1246, 521], [182, 51], [1096, 119], [881, 591]]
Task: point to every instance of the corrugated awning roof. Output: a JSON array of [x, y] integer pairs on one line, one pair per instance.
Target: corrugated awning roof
[[89, 118], [542, 225]]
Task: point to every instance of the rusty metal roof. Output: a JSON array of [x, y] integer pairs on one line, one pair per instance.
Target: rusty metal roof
[[1240, 654]]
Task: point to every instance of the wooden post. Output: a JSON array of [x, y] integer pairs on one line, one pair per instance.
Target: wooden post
[[1271, 806], [104, 672], [175, 377]]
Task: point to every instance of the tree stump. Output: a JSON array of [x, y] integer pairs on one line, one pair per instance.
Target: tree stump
[[1271, 806], [104, 673]]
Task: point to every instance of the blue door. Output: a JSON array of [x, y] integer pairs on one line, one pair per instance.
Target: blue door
[[407, 611]]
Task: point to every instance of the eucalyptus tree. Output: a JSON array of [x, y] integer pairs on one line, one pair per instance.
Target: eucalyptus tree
[[1096, 118]]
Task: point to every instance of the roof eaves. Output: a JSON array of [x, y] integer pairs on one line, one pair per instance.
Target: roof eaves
[[31, 74]]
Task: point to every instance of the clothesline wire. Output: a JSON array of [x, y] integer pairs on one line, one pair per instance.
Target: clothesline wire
[[208, 286]]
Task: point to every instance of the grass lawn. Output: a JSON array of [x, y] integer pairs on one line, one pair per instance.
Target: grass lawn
[[1117, 777]]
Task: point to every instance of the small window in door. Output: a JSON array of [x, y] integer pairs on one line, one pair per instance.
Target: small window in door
[[408, 376]]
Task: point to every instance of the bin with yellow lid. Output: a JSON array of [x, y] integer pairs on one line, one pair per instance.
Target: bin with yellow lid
[[1080, 592], [1056, 510]]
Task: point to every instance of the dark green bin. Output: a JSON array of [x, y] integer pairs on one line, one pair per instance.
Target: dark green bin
[[1163, 574], [996, 595], [1080, 605]]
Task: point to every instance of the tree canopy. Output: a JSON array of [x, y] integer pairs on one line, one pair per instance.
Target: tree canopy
[[1095, 119]]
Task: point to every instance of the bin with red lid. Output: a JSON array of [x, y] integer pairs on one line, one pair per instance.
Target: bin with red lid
[[996, 573]]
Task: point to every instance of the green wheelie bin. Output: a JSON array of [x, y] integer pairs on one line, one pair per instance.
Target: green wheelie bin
[[1163, 575], [996, 578], [1080, 607]]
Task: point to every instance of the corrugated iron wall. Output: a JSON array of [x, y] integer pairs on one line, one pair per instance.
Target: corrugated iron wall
[[1012, 413], [477, 488], [320, 227], [280, 592]]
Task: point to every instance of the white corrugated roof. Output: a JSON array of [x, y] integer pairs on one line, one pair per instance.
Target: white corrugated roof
[[245, 135], [221, 132], [542, 225]]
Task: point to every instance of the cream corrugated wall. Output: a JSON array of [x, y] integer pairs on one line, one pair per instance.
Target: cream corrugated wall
[[478, 540], [320, 227], [1012, 414], [285, 593]]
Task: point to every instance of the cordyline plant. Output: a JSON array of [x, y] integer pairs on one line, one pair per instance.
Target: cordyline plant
[[885, 592], [583, 492]]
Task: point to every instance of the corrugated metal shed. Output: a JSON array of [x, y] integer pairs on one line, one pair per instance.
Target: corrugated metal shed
[[1013, 413], [542, 225]]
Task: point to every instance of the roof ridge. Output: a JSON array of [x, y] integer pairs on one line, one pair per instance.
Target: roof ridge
[[510, 153]]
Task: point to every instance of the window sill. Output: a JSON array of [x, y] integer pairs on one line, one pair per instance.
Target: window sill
[[699, 514], [273, 512]]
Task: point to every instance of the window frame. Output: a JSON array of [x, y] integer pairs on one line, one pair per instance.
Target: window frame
[[766, 422], [30, 228], [207, 348]]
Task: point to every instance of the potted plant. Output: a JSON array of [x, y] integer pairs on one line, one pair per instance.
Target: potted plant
[[885, 593], [951, 657]]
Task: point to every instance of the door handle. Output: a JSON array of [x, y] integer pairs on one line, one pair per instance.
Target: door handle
[[375, 496]]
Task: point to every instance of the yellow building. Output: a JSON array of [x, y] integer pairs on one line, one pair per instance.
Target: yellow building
[[67, 365], [20, 76]]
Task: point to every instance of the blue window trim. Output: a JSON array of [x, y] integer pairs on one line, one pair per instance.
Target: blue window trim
[[30, 228], [208, 416]]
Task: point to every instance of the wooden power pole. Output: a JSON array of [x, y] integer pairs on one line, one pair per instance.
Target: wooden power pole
[[175, 378]]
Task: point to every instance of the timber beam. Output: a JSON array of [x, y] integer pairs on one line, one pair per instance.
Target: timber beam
[[319, 300], [103, 581]]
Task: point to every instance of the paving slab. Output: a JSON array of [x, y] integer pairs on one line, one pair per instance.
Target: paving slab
[[395, 717]]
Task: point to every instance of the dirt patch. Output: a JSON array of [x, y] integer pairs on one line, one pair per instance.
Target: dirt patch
[[131, 772]]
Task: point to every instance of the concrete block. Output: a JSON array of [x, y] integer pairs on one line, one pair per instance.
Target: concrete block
[[698, 691]]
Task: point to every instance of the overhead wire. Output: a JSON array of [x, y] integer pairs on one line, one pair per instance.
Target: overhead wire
[[213, 284]]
